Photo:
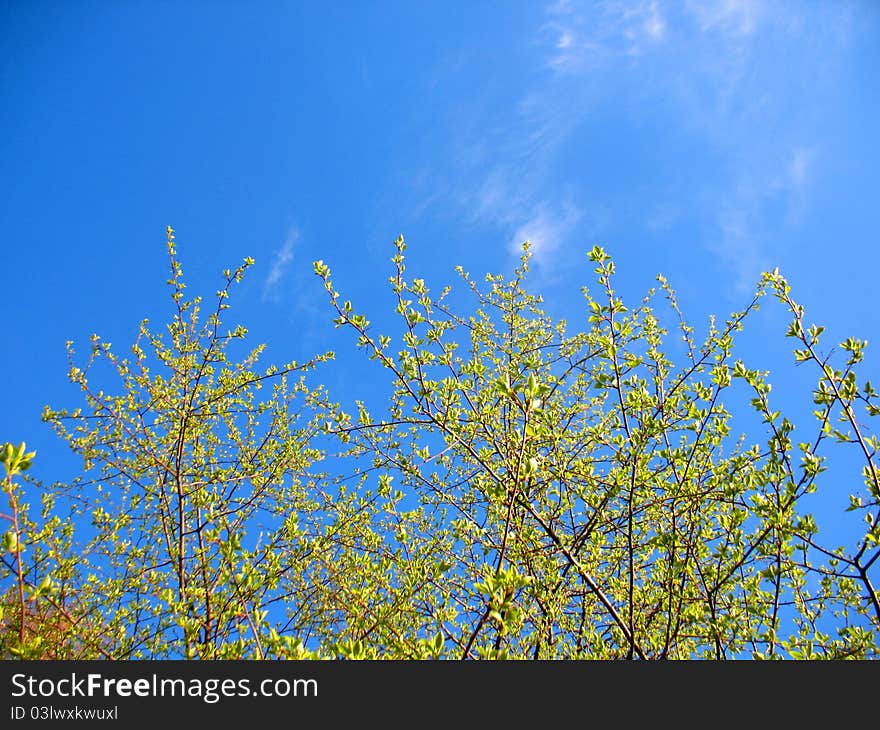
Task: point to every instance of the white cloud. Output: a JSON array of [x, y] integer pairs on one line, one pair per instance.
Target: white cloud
[[654, 25], [721, 70], [742, 225], [546, 230], [713, 75], [283, 257], [516, 207], [589, 36], [738, 17], [737, 243], [799, 167]]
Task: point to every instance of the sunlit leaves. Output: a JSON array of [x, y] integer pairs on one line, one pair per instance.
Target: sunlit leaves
[[593, 465], [523, 488]]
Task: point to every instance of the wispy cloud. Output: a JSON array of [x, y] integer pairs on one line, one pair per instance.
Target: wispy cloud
[[737, 17], [512, 162], [546, 231], [720, 69], [741, 222], [517, 206], [280, 264], [799, 167], [585, 37], [654, 25], [713, 76]]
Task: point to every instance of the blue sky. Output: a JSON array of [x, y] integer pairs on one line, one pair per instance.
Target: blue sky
[[707, 140]]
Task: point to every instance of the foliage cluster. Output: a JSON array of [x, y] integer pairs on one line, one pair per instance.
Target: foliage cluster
[[530, 490]]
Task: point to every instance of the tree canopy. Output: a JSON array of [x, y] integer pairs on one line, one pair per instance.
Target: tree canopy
[[530, 489]]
